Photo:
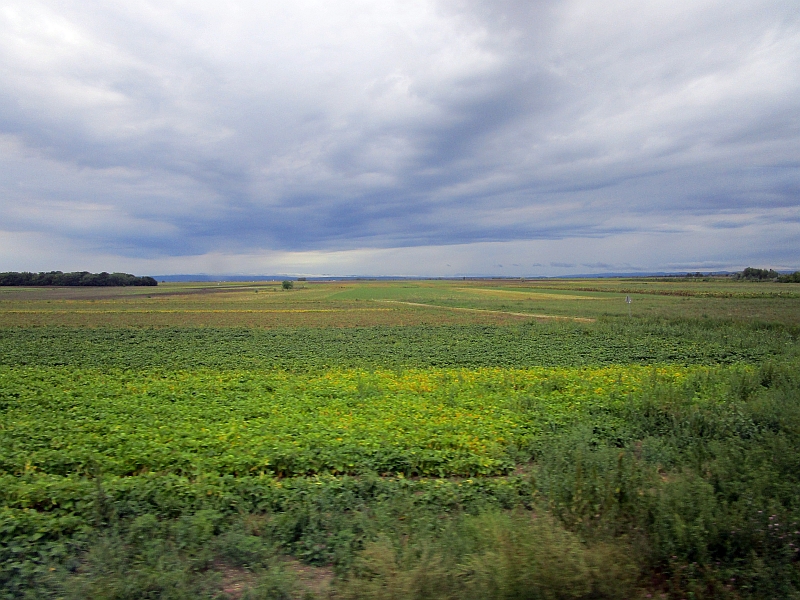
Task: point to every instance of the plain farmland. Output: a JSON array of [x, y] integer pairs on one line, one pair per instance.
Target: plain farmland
[[415, 437]]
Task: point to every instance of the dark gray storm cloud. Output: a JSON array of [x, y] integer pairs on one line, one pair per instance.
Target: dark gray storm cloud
[[153, 130]]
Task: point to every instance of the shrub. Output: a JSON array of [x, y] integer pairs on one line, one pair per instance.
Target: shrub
[[496, 556]]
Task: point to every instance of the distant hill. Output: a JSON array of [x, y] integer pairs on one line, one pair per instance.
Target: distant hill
[[747, 274], [202, 277]]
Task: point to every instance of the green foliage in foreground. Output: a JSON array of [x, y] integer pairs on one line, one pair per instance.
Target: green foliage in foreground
[[471, 346], [688, 486]]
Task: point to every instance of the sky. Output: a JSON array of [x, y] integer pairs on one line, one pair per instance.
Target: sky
[[408, 138]]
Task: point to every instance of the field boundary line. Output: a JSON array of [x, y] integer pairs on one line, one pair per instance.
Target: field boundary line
[[497, 312]]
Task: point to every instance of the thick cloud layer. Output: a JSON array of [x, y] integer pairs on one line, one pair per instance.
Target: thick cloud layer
[[408, 137]]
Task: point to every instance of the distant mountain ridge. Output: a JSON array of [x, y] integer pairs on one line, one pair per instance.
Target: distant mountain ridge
[[203, 277]]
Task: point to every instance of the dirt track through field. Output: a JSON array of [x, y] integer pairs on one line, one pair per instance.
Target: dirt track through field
[[499, 312]]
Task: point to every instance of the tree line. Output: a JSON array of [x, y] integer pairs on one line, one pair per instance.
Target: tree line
[[77, 278], [753, 274]]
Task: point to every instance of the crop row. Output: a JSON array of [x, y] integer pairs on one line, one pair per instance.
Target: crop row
[[470, 346]]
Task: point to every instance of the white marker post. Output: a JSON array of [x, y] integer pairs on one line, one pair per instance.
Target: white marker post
[[628, 302]]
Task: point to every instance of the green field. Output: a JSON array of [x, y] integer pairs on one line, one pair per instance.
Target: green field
[[405, 439]]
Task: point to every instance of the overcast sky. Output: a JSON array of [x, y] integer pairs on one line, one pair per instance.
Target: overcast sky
[[407, 137]]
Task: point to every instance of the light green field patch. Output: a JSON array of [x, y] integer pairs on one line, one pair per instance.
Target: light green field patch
[[531, 295]]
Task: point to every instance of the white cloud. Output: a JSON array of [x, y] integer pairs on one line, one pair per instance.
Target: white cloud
[[184, 135]]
